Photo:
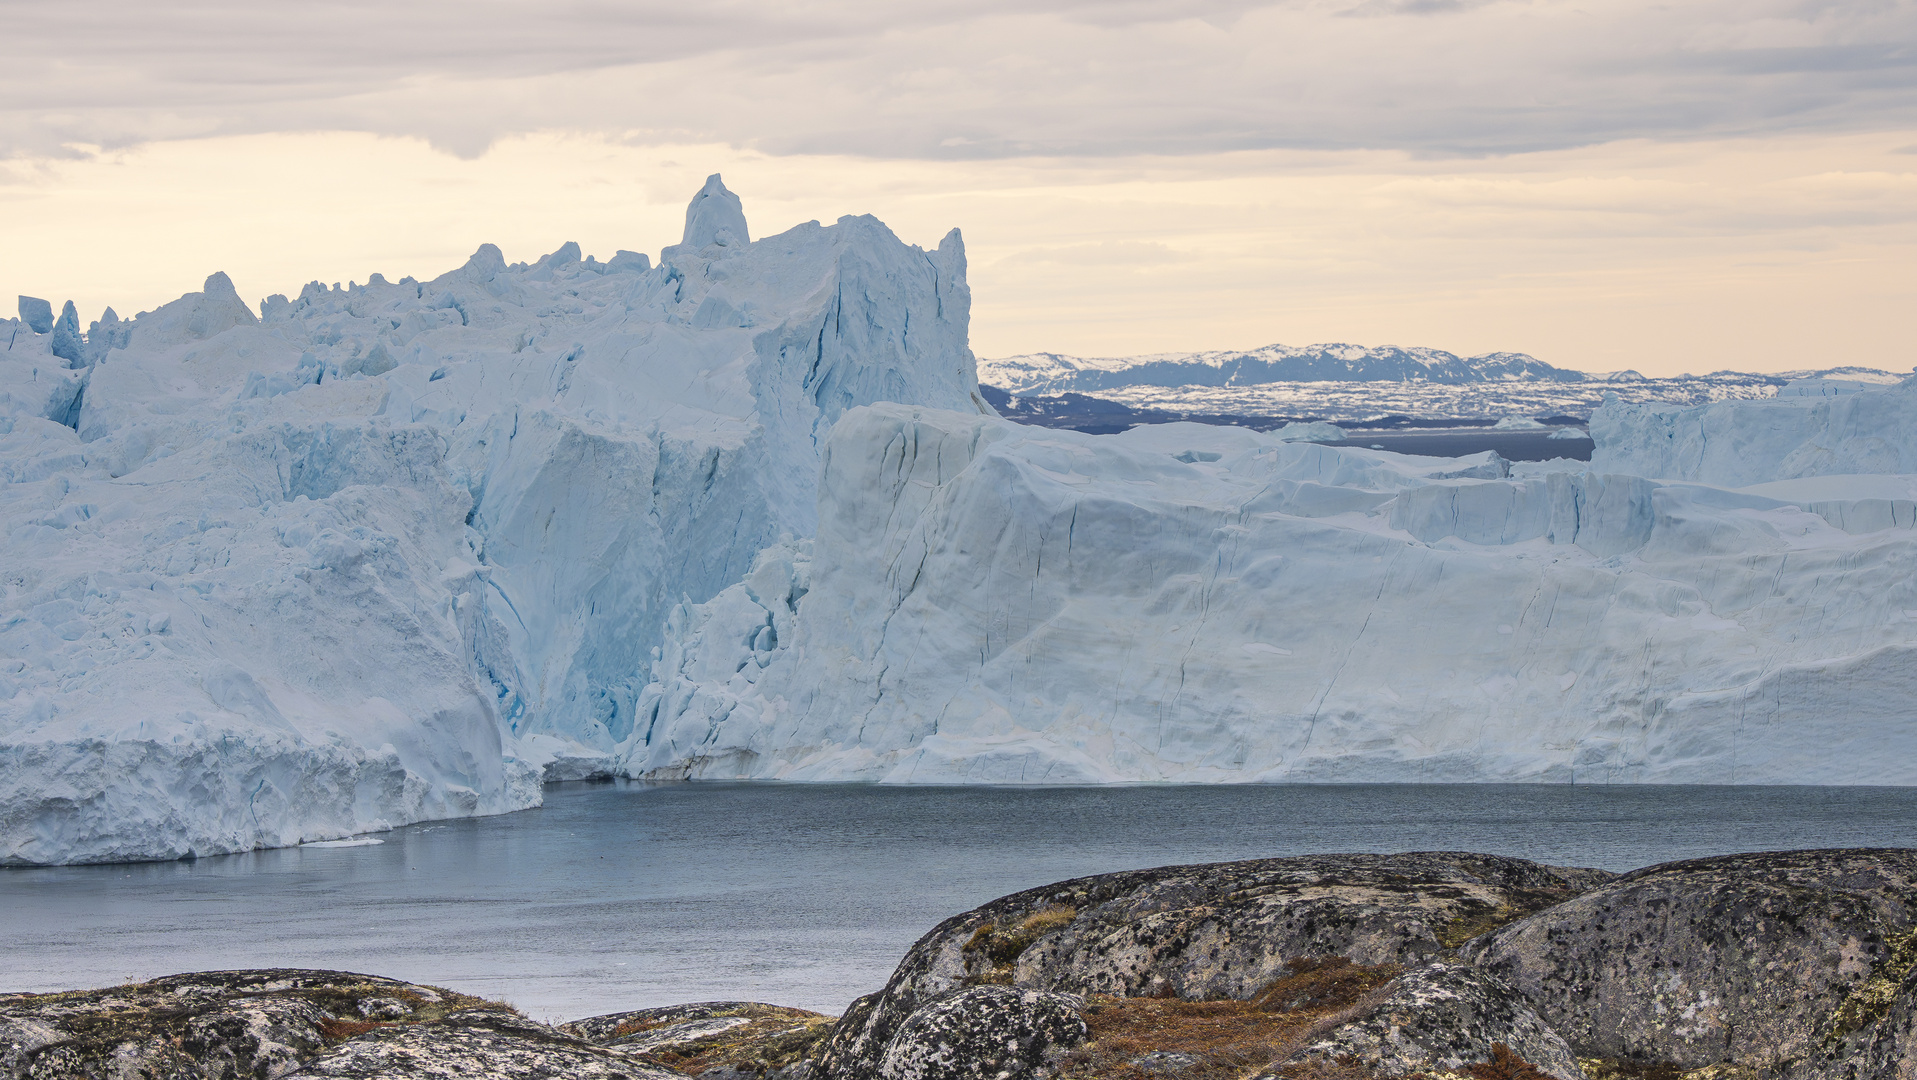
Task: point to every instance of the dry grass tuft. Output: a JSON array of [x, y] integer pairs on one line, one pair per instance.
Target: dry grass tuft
[[768, 1042], [1000, 945], [1615, 1069], [346, 1029], [1226, 1039], [1323, 982], [1478, 920], [1505, 1065]]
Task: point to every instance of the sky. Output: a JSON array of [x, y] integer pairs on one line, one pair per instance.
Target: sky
[[1603, 184]]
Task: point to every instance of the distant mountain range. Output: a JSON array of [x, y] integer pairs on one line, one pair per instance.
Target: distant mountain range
[[1349, 384], [1056, 373]]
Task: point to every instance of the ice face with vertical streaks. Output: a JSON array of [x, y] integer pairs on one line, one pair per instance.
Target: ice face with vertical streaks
[[378, 553], [986, 602]]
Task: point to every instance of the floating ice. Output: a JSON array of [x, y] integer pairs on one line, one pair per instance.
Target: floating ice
[[386, 552], [1312, 431], [404, 550], [1736, 443], [987, 602]]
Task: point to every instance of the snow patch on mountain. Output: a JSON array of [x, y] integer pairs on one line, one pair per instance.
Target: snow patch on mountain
[[1055, 373], [1355, 384]]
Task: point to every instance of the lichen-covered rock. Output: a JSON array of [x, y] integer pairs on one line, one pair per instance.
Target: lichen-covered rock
[[1221, 930], [717, 1040], [1884, 1049], [476, 1043], [217, 1024], [1441, 1018], [1790, 963], [983, 1033]]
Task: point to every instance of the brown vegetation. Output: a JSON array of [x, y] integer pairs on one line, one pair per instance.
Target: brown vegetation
[[774, 1038], [1614, 1069], [1001, 945], [1225, 1039], [1505, 1065], [341, 1030]]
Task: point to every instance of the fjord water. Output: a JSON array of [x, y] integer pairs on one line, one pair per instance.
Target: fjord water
[[624, 895]]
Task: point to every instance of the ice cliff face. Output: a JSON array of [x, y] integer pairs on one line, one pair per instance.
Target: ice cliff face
[[1814, 428], [986, 602], [369, 557]]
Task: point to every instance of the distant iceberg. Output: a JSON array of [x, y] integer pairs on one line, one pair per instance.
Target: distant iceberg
[[991, 603], [1853, 429]]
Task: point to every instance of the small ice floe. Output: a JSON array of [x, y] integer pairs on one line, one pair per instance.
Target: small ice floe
[[357, 841]]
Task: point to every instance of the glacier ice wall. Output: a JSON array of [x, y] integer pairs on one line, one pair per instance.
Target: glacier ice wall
[[1799, 433], [375, 554], [985, 602]]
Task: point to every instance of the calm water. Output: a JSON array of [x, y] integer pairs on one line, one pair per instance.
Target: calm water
[[1510, 445], [619, 896]]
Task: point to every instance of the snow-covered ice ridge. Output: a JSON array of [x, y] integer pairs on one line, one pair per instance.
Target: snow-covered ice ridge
[[1354, 383], [379, 553], [993, 603]]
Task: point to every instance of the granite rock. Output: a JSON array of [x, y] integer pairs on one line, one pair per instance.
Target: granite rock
[[717, 1040], [1787, 963], [474, 1043], [1220, 930], [1440, 1018], [214, 1025], [984, 1033]]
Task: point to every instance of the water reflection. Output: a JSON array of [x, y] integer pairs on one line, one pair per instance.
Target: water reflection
[[617, 896]]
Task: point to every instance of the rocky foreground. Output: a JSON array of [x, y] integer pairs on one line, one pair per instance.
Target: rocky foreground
[[1447, 966]]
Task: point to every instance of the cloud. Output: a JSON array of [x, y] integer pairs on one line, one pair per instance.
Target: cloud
[[1108, 253], [944, 80]]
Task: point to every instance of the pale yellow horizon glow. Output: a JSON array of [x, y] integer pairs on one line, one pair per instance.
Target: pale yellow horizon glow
[[1758, 255]]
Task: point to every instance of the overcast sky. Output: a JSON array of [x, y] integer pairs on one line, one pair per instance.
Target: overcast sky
[[1604, 184]]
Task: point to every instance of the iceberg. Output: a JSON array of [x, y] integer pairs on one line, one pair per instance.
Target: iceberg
[[985, 602], [398, 551], [1812, 431], [403, 550], [1317, 431]]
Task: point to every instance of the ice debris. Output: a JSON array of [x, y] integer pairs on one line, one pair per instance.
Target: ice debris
[[37, 314], [67, 343], [715, 216], [1310, 431]]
